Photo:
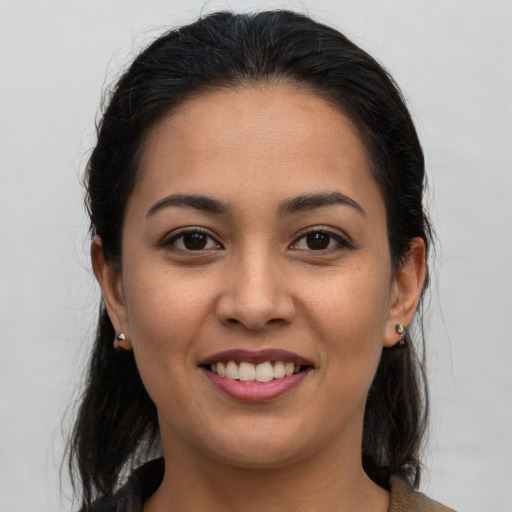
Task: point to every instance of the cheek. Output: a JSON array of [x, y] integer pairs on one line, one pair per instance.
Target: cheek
[[350, 306], [349, 313], [166, 313]]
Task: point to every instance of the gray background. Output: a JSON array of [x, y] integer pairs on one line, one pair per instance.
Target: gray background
[[453, 62]]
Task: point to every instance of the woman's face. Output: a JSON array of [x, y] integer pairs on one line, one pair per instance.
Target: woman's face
[[256, 234]]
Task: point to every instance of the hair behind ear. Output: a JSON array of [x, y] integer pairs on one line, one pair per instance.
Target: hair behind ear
[[396, 416], [115, 397]]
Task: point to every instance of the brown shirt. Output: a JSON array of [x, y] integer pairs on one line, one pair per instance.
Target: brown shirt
[[145, 481], [405, 499]]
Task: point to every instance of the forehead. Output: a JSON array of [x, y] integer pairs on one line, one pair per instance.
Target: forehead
[[268, 139]]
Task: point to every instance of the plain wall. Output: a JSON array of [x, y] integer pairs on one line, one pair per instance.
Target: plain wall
[[452, 60]]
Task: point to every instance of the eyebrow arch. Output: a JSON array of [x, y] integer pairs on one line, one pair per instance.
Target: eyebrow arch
[[196, 201], [312, 201]]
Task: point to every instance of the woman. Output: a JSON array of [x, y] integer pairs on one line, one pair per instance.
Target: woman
[[255, 198]]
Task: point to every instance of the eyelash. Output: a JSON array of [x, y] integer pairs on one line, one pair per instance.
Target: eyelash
[[342, 242], [170, 242]]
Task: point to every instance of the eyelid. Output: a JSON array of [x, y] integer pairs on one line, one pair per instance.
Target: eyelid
[[343, 240], [171, 237]]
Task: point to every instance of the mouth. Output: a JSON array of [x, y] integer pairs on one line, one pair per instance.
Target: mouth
[[262, 366], [249, 372]]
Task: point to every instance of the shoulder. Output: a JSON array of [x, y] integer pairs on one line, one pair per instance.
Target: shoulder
[[142, 483], [405, 499]]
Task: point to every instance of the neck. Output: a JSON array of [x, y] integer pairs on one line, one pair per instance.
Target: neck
[[328, 480]]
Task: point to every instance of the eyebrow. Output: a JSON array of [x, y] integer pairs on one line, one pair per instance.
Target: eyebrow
[[312, 201], [290, 206], [198, 202]]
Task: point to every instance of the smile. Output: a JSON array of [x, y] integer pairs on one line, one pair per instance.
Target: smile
[[256, 376], [249, 372]]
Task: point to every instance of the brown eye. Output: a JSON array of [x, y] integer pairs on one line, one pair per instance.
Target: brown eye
[[193, 241], [318, 240]]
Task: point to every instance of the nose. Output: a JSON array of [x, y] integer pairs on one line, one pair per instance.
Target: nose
[[255, 293]]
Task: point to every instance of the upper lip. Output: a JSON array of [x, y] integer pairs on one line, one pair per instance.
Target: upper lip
[[256, 357]]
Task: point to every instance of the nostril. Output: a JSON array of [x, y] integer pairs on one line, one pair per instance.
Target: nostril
[[254, 306]]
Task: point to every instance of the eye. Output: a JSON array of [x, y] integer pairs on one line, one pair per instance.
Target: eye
[[193, 240], [320, 240]]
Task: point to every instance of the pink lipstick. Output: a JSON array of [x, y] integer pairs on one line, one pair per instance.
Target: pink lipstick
[[255, 375]]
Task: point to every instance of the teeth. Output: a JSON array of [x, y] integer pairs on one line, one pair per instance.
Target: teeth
[[279, 371], [248, 372], [232, 370], [264, 372]]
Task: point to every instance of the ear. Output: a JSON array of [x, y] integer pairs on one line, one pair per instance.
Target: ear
[[109, 279], [406, 291]]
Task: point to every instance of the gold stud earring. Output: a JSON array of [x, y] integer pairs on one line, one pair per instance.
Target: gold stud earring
[[121, 344], [400, 329]]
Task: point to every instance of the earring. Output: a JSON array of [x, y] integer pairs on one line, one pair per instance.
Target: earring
[[121, 344], [400, 329]]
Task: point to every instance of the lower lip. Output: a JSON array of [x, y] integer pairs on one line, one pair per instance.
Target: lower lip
[[256, 391]]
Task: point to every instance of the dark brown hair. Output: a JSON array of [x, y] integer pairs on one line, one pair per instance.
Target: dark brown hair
[[117, 421]]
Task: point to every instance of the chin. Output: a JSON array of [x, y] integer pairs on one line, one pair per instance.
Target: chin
[[262, 446]]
